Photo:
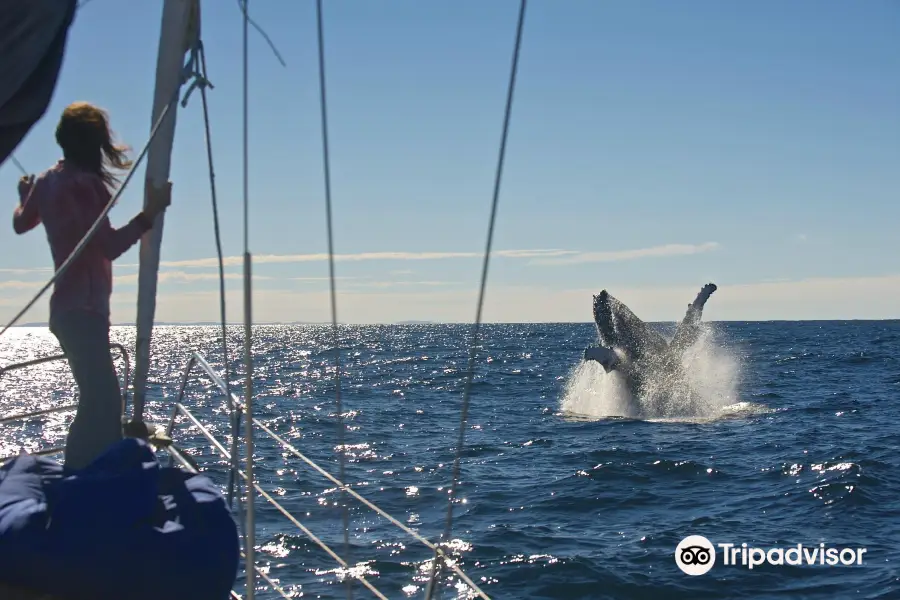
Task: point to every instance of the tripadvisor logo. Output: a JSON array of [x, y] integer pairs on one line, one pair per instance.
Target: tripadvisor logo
[[696, 555]]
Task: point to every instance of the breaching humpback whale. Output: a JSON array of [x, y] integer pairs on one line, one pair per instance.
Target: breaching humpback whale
[[630, 347]]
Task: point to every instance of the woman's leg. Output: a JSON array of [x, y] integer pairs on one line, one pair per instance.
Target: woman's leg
[[84, 337]]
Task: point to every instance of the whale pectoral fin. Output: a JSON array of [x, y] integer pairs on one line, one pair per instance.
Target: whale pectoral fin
[[695, 309], [687, 329], [705, 292], [607, 358]]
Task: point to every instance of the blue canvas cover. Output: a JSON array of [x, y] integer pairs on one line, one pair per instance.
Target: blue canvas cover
[[123, 527]]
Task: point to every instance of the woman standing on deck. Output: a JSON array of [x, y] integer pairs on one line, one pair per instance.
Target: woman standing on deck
[[68, 198]]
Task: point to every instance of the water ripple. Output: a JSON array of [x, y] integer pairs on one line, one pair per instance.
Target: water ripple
[[552, 504]]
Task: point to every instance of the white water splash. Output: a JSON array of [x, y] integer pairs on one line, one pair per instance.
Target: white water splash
[[708, 389]]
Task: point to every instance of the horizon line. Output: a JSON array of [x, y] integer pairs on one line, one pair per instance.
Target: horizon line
[[426, 322]]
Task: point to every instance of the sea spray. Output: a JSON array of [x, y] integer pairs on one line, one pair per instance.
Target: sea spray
[[590, 391], [707, 384]]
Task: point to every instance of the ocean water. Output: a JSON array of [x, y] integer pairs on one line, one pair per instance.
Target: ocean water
[[790, 436]]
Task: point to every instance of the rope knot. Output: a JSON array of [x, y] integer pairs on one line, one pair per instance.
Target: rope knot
[[195, 70]]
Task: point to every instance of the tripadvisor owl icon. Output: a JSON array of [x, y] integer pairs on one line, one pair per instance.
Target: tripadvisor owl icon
[[695, 555]]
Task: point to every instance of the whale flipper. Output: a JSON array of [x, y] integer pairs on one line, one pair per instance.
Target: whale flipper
[[687, 331]]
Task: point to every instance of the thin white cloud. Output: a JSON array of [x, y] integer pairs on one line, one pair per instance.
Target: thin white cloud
[[392, 284], [529, 253], [25, 271], [310, 279], [190, 277], [163, 276], [235, 261], [623, 255], [536, 256], [21, 285], [183, 277]]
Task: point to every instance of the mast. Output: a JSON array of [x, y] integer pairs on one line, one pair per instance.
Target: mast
[[180, 29]]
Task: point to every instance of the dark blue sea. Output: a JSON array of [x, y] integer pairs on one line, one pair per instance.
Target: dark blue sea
[[789, 436]]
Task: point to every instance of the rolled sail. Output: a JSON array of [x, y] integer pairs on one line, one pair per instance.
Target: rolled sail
[[180, 29]]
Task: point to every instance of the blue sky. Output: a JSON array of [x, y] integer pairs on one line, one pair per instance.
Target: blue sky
[[654, 146]]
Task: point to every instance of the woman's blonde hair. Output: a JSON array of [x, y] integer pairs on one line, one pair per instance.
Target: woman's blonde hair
[[86, 140]]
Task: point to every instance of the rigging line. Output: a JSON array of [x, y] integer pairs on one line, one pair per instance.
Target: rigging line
[[243, 6], [19, 166], [317, 540], [250, 528], [326, 166], [362, 499], [287, 514], [115, 197], [473, 347], [272, 582], [343, 563], [313, 465], [234, 484], [234, 414], [245, 157]]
